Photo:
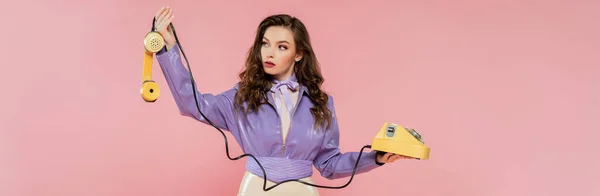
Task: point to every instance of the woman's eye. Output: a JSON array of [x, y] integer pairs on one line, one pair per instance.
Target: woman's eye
[[265, 44], [282, 48]]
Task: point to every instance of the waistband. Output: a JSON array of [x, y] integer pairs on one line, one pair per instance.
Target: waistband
[[280, 169]]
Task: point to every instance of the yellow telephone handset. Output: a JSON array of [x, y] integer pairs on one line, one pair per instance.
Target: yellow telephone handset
[[153, 42]]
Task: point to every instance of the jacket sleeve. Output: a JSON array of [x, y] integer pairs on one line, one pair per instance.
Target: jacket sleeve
[[332, 163], [218, 108]]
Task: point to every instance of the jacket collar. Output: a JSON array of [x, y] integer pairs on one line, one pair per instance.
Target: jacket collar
[[303, 90]]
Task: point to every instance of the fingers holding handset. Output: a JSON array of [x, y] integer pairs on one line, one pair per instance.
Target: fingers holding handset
[[164, 17]]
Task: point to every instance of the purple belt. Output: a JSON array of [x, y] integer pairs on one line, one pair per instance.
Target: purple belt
[[280, 169]]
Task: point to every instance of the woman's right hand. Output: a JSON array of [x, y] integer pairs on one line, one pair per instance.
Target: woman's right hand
[[164, 16]]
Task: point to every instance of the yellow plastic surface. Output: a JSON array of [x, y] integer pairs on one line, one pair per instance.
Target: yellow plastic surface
[[150, 91], [399, 141]]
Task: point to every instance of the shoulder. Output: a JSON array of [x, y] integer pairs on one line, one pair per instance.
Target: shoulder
[[236, 86], [230, 93], [330, 100], [331, 103]]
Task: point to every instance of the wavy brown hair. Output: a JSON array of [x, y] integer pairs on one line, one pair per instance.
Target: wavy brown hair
[[255, 83]]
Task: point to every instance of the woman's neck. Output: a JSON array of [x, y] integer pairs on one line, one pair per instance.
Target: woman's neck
[[285, 77]]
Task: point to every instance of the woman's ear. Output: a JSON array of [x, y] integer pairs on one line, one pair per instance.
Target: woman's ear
[[298, 57]]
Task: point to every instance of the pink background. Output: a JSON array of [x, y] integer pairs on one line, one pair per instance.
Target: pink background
[[504, 92]]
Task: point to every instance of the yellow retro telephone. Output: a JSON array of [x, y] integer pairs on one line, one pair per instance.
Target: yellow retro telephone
[[396, 139], [391, 138], [153, 42]]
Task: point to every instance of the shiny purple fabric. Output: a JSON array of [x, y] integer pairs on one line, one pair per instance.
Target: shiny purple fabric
[[280, 169], [260, 133]]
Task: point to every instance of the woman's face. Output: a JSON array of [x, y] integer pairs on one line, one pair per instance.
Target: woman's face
[[278, 52]]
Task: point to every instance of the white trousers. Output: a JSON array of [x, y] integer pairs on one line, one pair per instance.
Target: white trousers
[[252, 185]]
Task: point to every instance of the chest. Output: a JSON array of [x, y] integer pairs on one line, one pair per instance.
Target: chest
[[283, 130]]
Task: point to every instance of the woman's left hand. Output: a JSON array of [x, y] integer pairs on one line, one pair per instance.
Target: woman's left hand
[[390, 157]]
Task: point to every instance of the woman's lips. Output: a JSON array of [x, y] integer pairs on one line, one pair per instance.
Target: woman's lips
[[269, 64]]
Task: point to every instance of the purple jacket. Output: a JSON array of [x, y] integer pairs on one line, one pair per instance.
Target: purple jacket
[[259, 133]]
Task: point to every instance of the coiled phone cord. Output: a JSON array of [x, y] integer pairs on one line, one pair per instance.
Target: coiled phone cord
[[250, 155]]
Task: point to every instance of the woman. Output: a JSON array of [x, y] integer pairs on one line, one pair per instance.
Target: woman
[[276, 112]]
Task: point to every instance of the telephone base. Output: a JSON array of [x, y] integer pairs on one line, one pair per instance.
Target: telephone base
[[393, 138], [410, 150]]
